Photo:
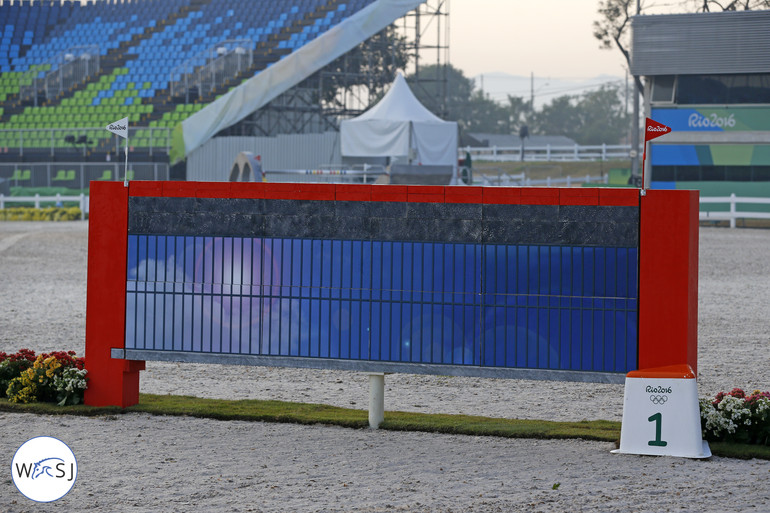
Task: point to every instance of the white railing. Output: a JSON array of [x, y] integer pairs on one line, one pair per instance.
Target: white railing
[[154, 140], [37, 200], [520, 180], [547, 153], [365, 173], [732, 200], [705, 215]]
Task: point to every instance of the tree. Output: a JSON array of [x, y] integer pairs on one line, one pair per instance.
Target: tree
[[593, 118], [473, 110], [602, 116], [428, 87], [483, 114], [372, 64], [559, 117], [519, 113], [596, 117], [612, 28], [735, 5]]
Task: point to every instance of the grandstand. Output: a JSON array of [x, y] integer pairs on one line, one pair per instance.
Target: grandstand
[[68, 68]]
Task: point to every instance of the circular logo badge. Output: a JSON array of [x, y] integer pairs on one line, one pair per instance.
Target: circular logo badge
[[44, 469]]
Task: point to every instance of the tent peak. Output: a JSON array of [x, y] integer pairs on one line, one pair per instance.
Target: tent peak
[[400, 104]]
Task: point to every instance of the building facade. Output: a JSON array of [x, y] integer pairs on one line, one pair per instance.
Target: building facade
[[707, 76]]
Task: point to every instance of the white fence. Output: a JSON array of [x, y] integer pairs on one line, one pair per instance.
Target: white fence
[[732, 200], [364, 173], [705, 215], [37, 200], [521, 180], [547, 153]]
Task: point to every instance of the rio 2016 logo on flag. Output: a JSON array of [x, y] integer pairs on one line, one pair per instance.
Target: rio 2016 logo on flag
[[44, 469]]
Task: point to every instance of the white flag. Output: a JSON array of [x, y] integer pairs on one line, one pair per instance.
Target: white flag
[[119, 127]]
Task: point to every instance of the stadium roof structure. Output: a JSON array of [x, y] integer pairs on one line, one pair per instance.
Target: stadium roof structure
[[258, 91]]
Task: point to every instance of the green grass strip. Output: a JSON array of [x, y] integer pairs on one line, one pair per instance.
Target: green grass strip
[[304, 413]]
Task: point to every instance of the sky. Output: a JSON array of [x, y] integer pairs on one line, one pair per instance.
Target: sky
[[549, 38]]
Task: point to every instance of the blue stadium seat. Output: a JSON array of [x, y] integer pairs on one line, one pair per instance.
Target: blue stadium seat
[[34, 33]]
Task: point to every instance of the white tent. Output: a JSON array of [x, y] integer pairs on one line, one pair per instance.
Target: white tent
[[400, 126]]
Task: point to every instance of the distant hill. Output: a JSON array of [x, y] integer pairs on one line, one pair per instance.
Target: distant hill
[[499, 85]]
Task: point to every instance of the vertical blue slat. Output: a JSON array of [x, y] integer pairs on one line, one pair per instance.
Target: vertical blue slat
[[131, 288], [178, 248], [315, 327], [598, 340], [326, 329], [589, 283], [415, 331], [565, 339], [386, 337], [375, 331], [554, 338], [510, 336], [619, 365], [186, 298], [610, 342], [532, 333], [397, 269], [499, 344], [304, 327], [543, 352], [586, 337], [400, 340], [232, 305], [631, 339], [600, 283], [217, 301]]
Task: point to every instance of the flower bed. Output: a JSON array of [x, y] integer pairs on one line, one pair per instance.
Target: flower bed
[[40, 214], [737, 417], [57, 377]]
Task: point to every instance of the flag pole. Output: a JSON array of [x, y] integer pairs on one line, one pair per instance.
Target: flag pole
[[652, 130], [125, 169], [120, 128], [644, 158]]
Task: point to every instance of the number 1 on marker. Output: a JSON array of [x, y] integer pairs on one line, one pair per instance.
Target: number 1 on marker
[[658, 419]]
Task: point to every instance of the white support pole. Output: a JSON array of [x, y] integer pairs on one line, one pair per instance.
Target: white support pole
[[376, 399], [733, 210]]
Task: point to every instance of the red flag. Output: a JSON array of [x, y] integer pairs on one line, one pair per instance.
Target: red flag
[[653, 129]]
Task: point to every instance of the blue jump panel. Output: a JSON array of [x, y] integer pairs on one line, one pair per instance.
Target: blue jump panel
[[498, 286]]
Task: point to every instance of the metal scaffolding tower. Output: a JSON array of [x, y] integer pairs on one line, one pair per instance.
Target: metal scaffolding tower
[[417, 44]]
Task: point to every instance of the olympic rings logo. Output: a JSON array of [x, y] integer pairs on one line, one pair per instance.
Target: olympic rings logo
[[658, 399]]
